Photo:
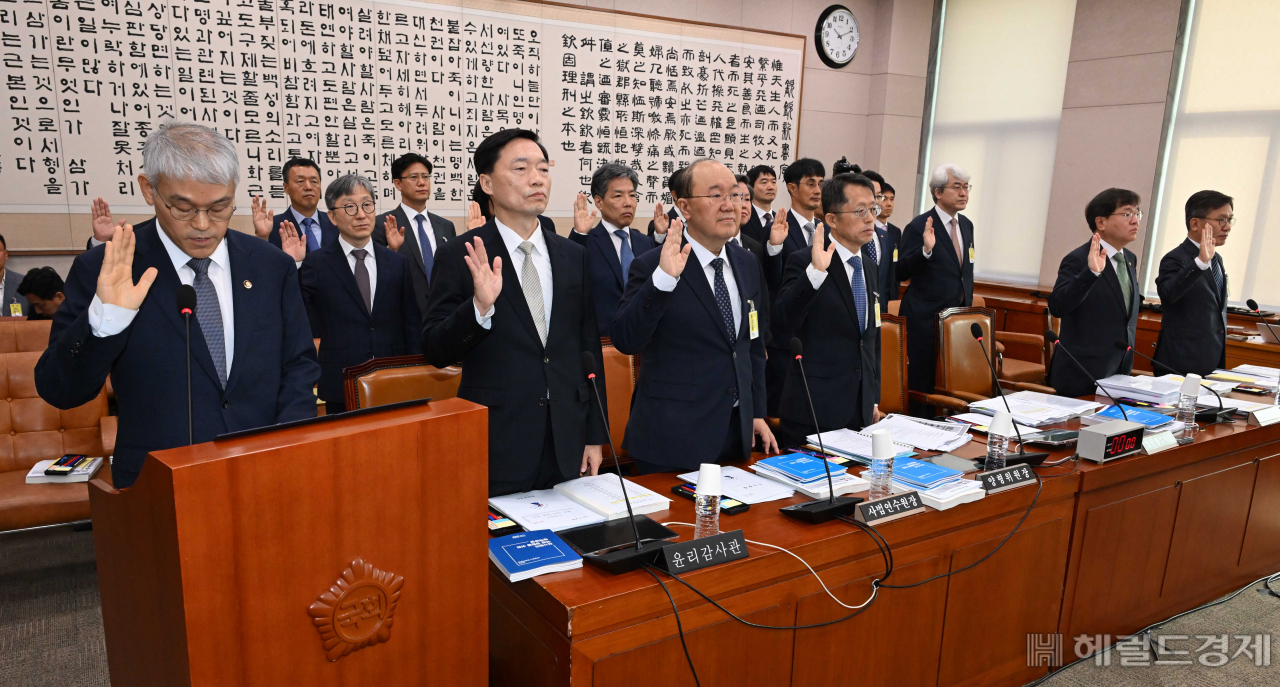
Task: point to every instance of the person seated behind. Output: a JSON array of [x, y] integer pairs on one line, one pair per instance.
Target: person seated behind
[[611, 243], [42, 287], [359, 294]]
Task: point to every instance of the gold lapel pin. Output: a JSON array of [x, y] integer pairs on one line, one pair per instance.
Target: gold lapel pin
[[248, 284]]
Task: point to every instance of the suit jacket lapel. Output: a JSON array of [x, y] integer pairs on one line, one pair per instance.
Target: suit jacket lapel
[[944, 238], [512, 291], [559, 274], [382, 287], [601, 241], [410, 245], [242, 271], [844, 284], [439, 231], [1113, 281], [704, 291], [795, 232], [739, 260], [337, 261]]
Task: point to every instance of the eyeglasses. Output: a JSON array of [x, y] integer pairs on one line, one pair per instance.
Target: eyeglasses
[[960, 187], [735, 198], [879, 197], [1223, 221], [861, 213], [222, 214], [368, 206], [1128, 216], [416, 177]]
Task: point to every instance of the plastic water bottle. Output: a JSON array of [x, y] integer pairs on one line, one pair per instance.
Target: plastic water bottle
[[706, 502], [1187, 409], [998, 440], [881, 465]]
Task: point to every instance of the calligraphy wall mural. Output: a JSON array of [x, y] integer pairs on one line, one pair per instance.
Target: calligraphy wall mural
[[355, 84]]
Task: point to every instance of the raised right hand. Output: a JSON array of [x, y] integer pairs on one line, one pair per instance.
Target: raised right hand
[[475, 218], [486, 280], [395, 235], [778, 232], [660, 220], [674, 257], [115, 281], [821, 256], [291, 241], [584, 219], [1207, 244], [1097, 254], [929, 239], [103, 227], [261, 217]]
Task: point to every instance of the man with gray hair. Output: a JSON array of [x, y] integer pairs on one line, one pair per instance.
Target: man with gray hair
[[937, 256], [611, 243], [255, 363], [359, 294]]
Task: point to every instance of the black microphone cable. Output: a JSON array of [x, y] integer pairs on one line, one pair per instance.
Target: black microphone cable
[[679, 627]]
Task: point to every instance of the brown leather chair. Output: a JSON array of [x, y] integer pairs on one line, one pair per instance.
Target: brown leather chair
[[619, 384], [962, 375], [893, 363], [381, 381], [32, 430]]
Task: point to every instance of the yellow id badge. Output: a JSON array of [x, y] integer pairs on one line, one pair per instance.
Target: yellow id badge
[[15, 309], [970, 253], [753, 320], [877, 310], [895, 254]]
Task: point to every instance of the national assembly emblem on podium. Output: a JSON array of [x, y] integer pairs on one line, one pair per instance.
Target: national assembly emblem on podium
[[357, 611]]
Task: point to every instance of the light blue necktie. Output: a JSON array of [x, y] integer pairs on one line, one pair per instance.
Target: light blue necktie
[[625, 254], [859, 291], [313, 240]]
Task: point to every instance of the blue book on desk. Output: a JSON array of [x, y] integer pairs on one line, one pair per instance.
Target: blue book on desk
[[1147, 418], [920, 474], [801, 467], [528, 554]]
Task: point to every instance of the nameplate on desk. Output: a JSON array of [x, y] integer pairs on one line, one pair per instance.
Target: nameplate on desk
[[1158, 441], [889, 508], [1005, 479], [1264, 416], [695, 554]]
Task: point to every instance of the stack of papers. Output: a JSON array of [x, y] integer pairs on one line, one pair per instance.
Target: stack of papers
[[814, 484], [1256, 375], [921, 475], [1221, 387], [1150, 389], [979, 423], [528, 554], [847, 442], [925, 435], [1152, 420], [545, 509], [946, 495], [603, 494], [1035, 409], [736, 483], [81, 474]]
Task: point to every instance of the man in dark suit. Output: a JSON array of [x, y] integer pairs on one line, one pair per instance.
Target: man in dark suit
[[44, 291], [691, 315], [828, 300], [883, 245], [520, 325], [1097, 296], [359, 295], [661, 221], [893, 287], [941, 271], [15, 304], [254, 362], [409, 229], [763, 183], [1193, 289], [764, 252], [804, 183], [611, 243], [302, 186]]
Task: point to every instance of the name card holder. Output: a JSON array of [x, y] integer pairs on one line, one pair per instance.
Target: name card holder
[[889, 508], [1264, 416], [1157, 442], [695, 554], [1005, 479]]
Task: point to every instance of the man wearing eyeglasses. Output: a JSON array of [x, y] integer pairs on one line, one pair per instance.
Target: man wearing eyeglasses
[[1193, 289], [253, 360], [610, 242], [359, 295], [409, 229], [692, 314], [1097, 296], [828, 300], [937, 256]]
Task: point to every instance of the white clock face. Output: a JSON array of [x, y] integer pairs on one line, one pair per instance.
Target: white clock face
[[840, 36]]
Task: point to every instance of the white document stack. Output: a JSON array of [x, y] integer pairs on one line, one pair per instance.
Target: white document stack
[[545, 509], [736, 483], [1150, 389], [847, 442], [925, 435], [1034, 409], [603, 494], [844, 483], [946, 495]]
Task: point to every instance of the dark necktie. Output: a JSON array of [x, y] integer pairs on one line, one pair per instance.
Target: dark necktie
[[1216, 267], [768, 220], [1122, 274], [428, 255], [726, 305], [871, 250], [362, 278], [859, 286], [313, 243], [209, 315], [625, 256], [735, 242]]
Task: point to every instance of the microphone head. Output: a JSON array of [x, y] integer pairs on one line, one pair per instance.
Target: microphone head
[[1253, 305], [976, 330], [187, 298], [1123, 346], [588, 363], [1050, 336], [797, 348]]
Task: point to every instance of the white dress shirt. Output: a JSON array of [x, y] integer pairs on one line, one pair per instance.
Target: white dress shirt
[[315, 227], [370, 264], [946, 231], [426, 226], [666, 282], [617, 242], [1111, 254], [541, 262], [800, 218], [760, 213], [659, 238], [108, 320]]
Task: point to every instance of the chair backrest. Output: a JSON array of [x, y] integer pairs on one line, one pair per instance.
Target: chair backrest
[[894, 306], [960, 366], [893, 363], [17, 335], [32, 430], [619, 385], [979, 301], [381, 381]]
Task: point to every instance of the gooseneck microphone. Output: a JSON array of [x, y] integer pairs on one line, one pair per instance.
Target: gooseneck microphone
[[1053, 339], [589, 364], [1253, 305], [187, 308], [1220, 415], [818, 511], [1033, 458]]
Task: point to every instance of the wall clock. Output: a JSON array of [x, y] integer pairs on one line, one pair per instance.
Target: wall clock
[[836, 36]]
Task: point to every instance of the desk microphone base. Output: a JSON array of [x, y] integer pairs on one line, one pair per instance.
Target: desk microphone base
[[822, 510]]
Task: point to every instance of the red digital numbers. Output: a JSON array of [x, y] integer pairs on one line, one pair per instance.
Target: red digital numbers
[[1121, 444]]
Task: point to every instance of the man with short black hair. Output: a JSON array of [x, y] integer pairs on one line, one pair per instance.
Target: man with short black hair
[[42, 287], [763, 183], [1194, 291], [893, 287], [520, 324], [303, 187], [611, 243], [883, 244], [1097, 296], [15, 303], [409, 229]]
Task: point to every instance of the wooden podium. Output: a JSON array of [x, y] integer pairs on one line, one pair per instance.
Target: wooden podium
[[342, 552]]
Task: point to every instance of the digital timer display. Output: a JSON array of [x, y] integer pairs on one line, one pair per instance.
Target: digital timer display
[[1122, 444]]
